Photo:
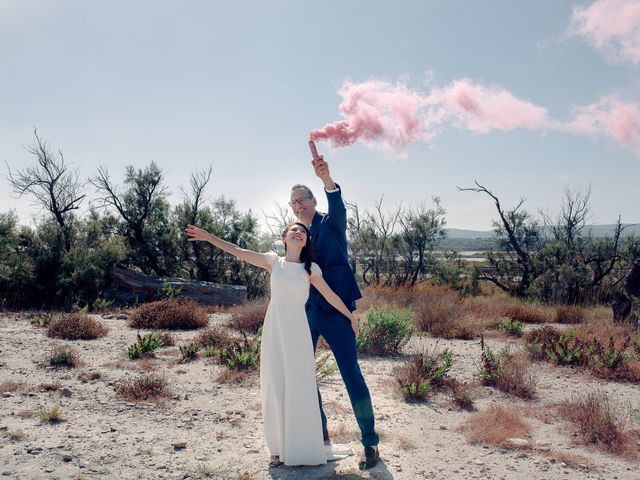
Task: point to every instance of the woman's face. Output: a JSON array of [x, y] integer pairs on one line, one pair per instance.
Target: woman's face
[[296, 235]]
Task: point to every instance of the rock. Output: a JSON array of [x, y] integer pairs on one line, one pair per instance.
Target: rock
[[7, 394], [67, 458], [253, 450], [517, 442], [477, 461], [179, 445], [443, 427], [66, 392]]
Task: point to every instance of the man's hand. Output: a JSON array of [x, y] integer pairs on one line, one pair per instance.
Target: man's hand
[[354, 326], [321, 168]]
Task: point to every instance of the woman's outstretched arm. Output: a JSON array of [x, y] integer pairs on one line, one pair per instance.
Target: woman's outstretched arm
[[334, 300], [196, 234]]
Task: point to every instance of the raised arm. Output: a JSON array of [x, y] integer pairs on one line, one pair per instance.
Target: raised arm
[[337, 211], [196, 234], [334, 300]]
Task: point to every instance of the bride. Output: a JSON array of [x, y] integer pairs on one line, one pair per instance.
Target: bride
[[290, 410]]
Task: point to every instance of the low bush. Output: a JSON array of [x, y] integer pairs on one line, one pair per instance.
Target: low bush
[[526, 313], [422, 373], [213, 337], [435, 308], [460, 394], [189, 352], [385, 331], [51, 415], [242, 354], [76, 326], [596, 423], [143, 387], [569, 314], [249, 317], [495, 426], [175, 314], [145, 346], [511, 327], [63, 356], [507, 372]]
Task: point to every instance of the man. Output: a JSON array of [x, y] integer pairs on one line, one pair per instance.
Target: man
[[329, 235]]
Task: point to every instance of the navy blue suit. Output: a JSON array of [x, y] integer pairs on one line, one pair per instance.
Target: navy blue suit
[[328, 232]]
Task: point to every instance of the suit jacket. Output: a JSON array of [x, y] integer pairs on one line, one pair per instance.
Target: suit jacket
[[329, 235]]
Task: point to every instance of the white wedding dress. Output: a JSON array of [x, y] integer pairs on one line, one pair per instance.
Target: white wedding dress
[[292, 424]]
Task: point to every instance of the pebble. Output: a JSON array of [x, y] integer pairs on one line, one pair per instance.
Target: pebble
[[179, 445], [477, 461], [67, 458]]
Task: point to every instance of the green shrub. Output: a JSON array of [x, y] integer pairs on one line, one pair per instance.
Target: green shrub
[[189, 352], [507, 372], [63, 356], [385, 331], [145, 346], [422, 373], [511, 327], [566, 350], [242, 354]]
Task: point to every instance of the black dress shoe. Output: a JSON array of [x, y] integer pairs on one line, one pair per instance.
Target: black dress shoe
[[370, 457]]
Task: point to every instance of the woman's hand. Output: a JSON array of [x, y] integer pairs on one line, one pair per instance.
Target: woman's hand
[[197, 234]]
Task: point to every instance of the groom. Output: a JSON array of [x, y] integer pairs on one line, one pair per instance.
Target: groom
[[329, 235]]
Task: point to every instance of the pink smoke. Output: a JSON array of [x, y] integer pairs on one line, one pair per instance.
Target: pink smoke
[[612, 26], [480, 109], [376, 113], [391, 116], [611, 117]]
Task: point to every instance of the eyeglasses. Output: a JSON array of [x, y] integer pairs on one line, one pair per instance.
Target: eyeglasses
[[298, 201]]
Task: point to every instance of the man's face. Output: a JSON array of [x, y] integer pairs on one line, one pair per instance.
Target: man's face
[[303, 205]]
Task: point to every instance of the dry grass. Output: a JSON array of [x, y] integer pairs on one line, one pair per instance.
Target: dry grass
[[596, 422], [461, 394], [343, 434], [51, 415], [494, 426], [233, 377], [62, 356], [213, 337], [516, 377], [572, 460], [249, 317], [76, 326], [527, 312], [86, 377], [50, 387], [179, 314], [569, 314], [15, 435], [11, 387], [143, 387]]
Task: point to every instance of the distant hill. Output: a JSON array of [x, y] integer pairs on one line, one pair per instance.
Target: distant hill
[[460, 239]]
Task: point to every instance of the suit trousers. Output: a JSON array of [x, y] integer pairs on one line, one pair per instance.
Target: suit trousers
[[335, 328]]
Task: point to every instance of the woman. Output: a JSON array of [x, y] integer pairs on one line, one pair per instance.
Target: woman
[[290, 410]]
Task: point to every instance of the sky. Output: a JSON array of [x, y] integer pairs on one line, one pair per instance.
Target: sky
[[407, 99]]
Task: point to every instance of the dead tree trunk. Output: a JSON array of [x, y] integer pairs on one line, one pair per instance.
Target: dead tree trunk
[[129, 287]]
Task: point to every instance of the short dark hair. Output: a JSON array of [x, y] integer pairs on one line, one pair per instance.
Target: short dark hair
[[304, 187]]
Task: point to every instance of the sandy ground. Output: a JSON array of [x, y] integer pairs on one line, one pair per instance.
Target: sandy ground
[[104, 436]]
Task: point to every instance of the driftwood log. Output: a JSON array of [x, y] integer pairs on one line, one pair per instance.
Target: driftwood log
[[129, 287]]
